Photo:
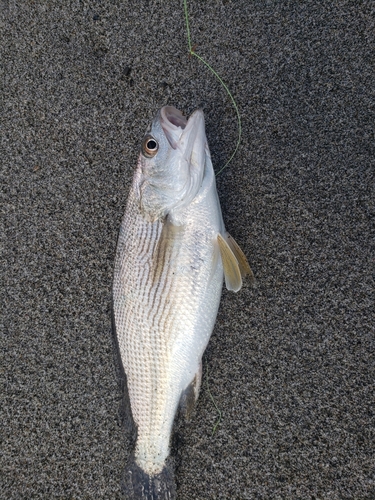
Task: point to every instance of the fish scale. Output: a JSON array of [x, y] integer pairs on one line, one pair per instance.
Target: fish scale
[[154, 315]]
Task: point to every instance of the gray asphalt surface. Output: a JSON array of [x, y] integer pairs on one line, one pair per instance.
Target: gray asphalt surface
[[291, 362]]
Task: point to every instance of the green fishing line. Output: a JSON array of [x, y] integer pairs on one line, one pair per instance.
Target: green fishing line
[[193, 53], [214, 403]]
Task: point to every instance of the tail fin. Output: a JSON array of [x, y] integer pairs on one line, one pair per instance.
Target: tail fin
[[138, 485]]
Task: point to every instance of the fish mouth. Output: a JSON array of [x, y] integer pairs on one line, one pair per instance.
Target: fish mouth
[[176, 126], [173, 123], [172, 118]]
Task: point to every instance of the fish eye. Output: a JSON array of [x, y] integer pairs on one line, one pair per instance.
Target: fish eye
[[150, 146]]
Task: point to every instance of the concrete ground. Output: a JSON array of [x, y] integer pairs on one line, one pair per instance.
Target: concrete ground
[[291, 362]]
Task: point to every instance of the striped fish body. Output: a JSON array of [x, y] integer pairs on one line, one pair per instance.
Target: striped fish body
[[166, 291]]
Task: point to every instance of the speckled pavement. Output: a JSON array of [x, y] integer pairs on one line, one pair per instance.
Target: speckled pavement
[[291, 362]]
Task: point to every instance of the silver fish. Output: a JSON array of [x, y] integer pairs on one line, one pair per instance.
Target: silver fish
[[172, 253]]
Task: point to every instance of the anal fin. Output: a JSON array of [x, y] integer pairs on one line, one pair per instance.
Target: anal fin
[[190, 395]]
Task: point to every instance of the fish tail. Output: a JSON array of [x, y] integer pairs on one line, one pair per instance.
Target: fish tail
[[138, 485]]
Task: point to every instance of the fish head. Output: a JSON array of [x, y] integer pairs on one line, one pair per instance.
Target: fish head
[[171, 163]]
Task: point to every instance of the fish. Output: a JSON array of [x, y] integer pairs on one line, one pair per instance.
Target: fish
[[172, 255]]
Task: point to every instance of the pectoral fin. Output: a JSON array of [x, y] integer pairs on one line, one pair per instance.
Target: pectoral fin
[[232, 273], [244, 266]]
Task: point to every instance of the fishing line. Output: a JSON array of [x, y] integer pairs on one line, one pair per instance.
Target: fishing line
[[193, 53], [217, 408]]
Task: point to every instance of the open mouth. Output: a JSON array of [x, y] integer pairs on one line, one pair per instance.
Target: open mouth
[[172, 117], [173, 123], [180, 131]]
